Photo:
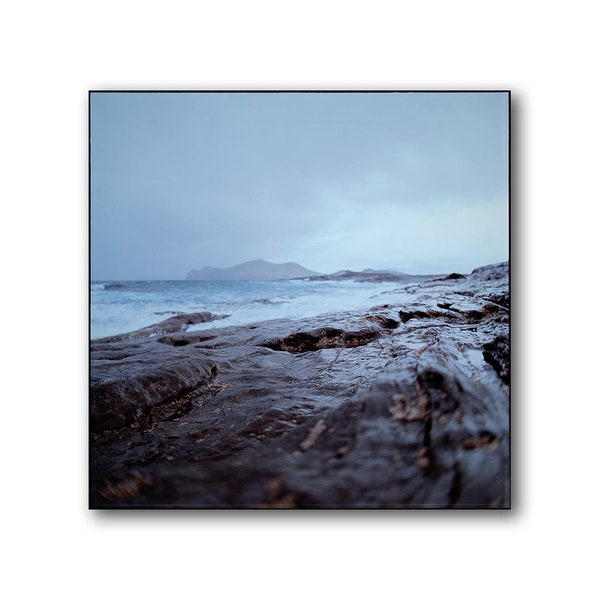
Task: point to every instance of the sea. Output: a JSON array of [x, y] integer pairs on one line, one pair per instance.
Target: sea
[[124, 306]]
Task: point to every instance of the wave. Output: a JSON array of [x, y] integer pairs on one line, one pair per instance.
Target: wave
[[108, 286], [267, 301], [128, 306]]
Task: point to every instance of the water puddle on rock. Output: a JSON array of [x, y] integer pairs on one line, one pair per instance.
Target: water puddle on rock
[[475, 357]]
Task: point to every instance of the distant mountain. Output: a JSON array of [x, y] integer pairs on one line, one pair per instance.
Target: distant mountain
[[253, 270]]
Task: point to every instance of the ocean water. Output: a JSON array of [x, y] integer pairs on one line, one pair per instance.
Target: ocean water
[[123, 306]]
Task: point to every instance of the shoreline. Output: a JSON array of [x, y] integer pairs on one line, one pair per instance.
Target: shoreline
[[133, 306], [396, 406]]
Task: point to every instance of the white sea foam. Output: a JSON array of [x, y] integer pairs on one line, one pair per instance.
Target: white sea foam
[[119, 307]]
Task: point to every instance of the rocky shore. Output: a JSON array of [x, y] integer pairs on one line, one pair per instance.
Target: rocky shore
[[369, 275], [405, 405]]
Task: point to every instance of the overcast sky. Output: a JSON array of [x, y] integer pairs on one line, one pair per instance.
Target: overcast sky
[[416, 182]]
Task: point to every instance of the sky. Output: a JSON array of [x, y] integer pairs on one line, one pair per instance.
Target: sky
[[415, 182]]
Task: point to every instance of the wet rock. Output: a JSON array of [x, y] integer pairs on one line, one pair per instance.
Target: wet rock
[[324, 337], [372, 276], [385, 321], [180, 322], [405, 405], [406, 315], [497, 354], [125, 394]]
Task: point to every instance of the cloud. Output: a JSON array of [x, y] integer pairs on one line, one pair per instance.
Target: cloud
[[328, 180], [359, 230]]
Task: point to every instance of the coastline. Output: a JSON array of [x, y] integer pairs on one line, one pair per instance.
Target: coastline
[[136, 305], [398, 406]]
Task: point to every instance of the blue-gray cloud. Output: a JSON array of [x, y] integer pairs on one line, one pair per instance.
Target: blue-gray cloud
[[412, 181]]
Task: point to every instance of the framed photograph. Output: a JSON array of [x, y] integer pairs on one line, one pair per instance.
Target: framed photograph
[[299, 299]]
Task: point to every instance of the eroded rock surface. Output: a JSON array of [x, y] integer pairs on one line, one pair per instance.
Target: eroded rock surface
[[404, 405]]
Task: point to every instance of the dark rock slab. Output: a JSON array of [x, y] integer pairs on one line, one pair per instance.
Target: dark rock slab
[[405, 405], [126, 385], [179, 322], [324, 337]]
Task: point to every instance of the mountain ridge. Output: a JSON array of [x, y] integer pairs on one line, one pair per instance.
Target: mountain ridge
[[251, 270]]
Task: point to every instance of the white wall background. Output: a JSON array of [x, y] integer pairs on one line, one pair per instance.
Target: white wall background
[[53, 52]]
